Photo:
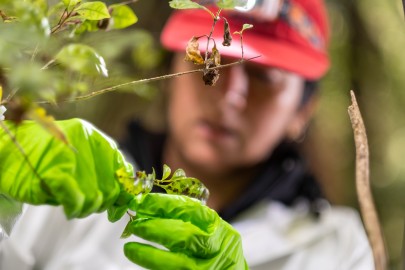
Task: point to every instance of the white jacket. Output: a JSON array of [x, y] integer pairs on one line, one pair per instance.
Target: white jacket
[[274, 237]]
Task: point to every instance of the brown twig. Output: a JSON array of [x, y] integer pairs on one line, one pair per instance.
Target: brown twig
[[209, 38], [126, 2], [365, 197], [164, 77]]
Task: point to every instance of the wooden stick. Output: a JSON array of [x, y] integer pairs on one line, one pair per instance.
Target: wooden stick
[[365, 197]]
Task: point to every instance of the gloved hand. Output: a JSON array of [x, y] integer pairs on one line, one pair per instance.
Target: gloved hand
[[195, 236], [81, 177]]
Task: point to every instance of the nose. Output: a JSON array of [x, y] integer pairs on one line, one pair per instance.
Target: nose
[[235, 87]]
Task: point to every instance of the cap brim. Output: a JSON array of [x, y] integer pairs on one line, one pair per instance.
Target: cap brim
[[275, 52]]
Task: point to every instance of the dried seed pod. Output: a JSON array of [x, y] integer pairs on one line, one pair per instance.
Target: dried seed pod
[[210, 76], [227, 34], [192, 52]]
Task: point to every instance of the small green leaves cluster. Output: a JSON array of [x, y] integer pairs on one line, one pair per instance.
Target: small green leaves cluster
[[177, 183], [142, 183]]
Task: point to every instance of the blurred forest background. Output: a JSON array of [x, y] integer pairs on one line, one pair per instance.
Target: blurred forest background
[[368, 55]]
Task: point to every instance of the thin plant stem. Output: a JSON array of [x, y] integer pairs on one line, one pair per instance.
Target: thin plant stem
[[241, 45], [10, 96], [127, 2], [48, 64], [163, 77], [34, 54], [403, 7], [364, 194], [209, 38], [60, 22]]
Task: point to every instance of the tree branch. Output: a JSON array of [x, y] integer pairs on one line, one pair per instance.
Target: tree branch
[[365, 197]]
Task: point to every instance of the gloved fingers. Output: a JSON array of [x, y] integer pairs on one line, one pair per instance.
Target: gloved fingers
[[176, 235], [108, 159], [153, 258], [59, 163], [67, 193], [107, 182], [175, 207], [93, 159], [57, 167], [115, 213], [32, 176], [99, 158], [80, 176]]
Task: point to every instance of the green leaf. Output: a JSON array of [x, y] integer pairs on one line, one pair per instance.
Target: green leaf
[[70, 4], [179, 173], [246, 26], [82, 58], [86, 26], [41, 4], [93, 11], [166, 172], [127, 231], [121, 17], [230, 4], [184, 4]]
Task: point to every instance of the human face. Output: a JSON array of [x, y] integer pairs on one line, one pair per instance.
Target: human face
[[236, 123]]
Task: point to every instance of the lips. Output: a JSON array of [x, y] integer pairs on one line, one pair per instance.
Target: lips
[[214, 131]]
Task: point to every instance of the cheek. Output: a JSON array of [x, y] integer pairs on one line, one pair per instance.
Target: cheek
[[262, 138], [267, 125], [184, 110], [181, 106]]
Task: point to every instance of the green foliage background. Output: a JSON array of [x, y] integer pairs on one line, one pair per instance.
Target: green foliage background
[[368, 56]]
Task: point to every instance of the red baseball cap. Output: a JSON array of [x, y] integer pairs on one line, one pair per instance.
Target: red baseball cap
[[296, 40]]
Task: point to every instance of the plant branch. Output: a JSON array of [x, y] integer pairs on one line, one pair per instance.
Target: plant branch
[[48, 64], [127, 2], [364, 194], [10, 96], [209, 38], [164, 77], [60, 22], [241, 45], [63, 19]]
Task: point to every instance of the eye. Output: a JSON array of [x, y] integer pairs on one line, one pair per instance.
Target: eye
[[270, 78]]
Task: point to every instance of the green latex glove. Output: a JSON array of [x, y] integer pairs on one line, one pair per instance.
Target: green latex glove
[[80, 177], [195, 236]]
